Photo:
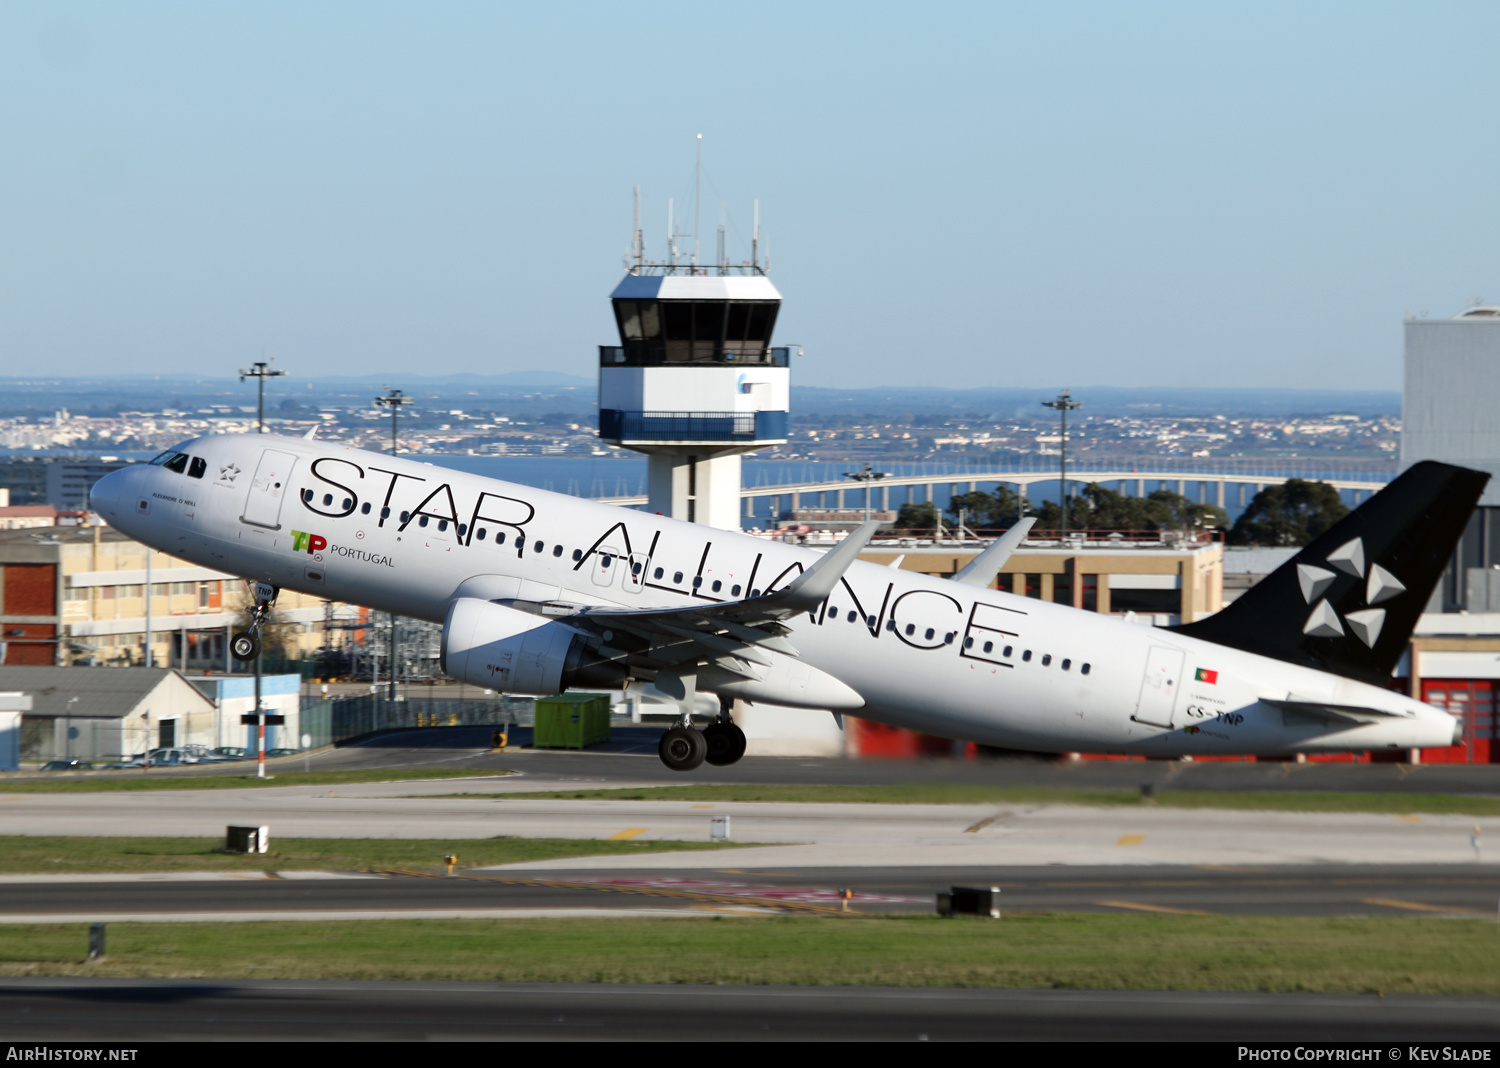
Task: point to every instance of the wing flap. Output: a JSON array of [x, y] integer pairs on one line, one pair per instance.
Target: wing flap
[[742, 637]]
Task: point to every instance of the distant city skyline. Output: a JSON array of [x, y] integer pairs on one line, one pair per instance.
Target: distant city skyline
[[1173, 194]]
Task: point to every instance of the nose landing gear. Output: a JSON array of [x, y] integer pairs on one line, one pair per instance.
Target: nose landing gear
[[246, 644]]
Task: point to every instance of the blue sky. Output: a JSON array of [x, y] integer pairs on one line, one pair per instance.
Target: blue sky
[[1198, 194]]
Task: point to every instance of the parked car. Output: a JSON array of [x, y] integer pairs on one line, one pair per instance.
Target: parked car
[[168, 758], [229, 752], [282, 752], [67, 765]]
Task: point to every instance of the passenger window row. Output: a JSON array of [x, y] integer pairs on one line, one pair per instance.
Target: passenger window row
[[1066, 665]]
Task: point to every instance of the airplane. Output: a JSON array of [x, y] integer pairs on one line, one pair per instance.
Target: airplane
[[539, 592]]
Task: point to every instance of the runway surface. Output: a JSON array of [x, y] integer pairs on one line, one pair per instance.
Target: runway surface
[[82, 1010], [783, 834], [631, 758], [799, 858], [1455, 891]]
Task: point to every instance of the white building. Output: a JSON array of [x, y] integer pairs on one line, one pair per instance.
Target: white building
[[1449, 413]]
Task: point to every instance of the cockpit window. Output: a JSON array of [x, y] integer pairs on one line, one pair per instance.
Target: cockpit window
[[177, 463], [197, 467], [164, 457]]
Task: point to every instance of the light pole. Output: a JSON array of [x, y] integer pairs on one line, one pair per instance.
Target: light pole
[[68, 731], [865, 476], [260, 370], [393, 399], [1064, 404]]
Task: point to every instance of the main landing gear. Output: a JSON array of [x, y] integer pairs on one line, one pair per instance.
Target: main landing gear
[[721, 743], [246, 644]]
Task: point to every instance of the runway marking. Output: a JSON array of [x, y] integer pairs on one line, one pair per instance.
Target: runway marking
[[981, 825], [703, 806], [1131, 839], [1417, 906], [1410, 819], [627, 833], [1141, 906], [644, 891]]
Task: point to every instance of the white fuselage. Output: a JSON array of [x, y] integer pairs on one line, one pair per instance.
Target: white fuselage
[[398, 535]]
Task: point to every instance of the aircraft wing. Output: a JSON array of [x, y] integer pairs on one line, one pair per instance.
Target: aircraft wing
[[981, 570], [734, 635]]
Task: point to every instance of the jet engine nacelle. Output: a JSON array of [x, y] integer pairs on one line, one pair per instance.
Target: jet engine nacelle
[[503, 649]]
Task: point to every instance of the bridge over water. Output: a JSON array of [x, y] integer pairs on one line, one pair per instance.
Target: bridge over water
[[1211, 488]]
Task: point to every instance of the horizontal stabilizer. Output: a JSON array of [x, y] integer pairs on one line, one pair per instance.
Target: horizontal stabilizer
[[1336, 715]]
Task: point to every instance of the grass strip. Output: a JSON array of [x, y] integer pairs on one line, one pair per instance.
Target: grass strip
[[142, 780], [1065, 950], [953, 794], [28, 855]]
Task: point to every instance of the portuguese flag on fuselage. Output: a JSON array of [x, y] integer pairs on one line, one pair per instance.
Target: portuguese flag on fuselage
[[1205, 675]]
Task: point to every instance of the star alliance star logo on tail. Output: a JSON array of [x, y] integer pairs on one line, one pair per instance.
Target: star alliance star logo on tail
[[1380, 585]]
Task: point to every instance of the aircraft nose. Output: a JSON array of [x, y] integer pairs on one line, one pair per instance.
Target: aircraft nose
[[106, 494]]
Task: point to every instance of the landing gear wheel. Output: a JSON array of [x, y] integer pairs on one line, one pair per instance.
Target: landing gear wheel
[[244, 646], [682, 749], [726, 743]]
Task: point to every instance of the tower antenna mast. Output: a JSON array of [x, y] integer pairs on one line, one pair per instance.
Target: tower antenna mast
[[755, 239], [639, 251], [697, 199], [671, 236]]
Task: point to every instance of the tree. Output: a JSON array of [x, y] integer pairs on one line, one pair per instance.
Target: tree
[[1099, 508], [922, 516], [1293, 513], [1176, 512], [1003, 508]]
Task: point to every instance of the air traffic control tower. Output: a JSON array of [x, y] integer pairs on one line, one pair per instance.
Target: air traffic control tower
[[694, 382]]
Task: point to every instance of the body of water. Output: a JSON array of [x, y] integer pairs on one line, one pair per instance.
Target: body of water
[[606, 476], [609, 477]]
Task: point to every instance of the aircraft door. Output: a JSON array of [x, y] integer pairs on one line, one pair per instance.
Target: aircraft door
[[607, 561], [1159, 687], [635, 573], [268, 489]]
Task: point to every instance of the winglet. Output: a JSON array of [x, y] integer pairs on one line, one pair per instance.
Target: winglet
[[309, 435], [981, 570], [812, 587]]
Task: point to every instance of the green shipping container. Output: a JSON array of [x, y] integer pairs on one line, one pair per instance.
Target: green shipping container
[[571, 721]]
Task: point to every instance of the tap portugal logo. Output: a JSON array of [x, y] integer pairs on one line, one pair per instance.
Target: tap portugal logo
[[312, 544]]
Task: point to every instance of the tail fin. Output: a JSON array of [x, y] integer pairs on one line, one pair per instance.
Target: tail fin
[[1348, 602]]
